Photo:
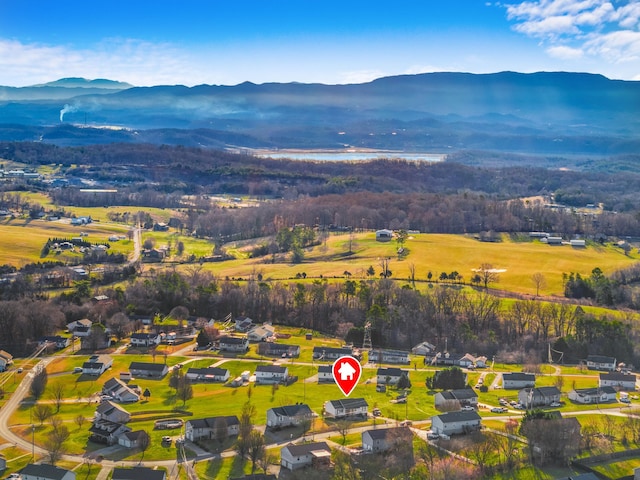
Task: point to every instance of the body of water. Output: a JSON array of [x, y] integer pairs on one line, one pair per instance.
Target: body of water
[[352, 156]]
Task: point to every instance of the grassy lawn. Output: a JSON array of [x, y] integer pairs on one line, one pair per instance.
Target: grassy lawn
[[618, 468]]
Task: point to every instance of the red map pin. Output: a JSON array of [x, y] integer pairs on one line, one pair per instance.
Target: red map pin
[[346, 373]]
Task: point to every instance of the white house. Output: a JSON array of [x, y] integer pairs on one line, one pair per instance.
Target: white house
[[593, 395], [390, 375], [145, 339], [261, 333], [46, 472], [233, 344], [424, 349], [56, 340], [384, 235], [112, 412], [288, 415], [210, 374], [294, 457], [331, 353], [278, 349], [348, 407], [383, 439], [456, 422], [268, 374], [205, 427], [518, 380], [243, 324], [622, 381], [104, 431], [389, 356], [600, 362], [462, 397], [148, 370], [6, 359], [119, 391], [97, 365], [132, 439], [325, 374], [85, 323], [538, 397]]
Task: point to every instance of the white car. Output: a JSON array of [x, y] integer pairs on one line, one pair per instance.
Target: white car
[[555, 404], [468, 408]]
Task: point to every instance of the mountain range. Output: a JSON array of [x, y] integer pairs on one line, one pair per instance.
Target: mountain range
[[546, 113]]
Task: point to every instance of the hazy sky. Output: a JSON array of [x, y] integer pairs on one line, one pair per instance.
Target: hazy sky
[[327, 41]]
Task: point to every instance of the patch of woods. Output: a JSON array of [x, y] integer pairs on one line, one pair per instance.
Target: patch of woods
[[467, 321]]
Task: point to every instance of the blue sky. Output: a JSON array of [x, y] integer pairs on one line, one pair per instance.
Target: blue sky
[[226, 43]]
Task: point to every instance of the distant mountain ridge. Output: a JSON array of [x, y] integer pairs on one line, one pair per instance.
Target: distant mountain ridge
[[548, 112]]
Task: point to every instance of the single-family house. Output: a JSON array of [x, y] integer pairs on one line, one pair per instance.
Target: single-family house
[[278, 350], [138, 473], [389, 356], [269, 374], [331, 353], [82, 332], [112, 412], [466, 361], [200, 428], [348, 407], [294, 457], [45, 471], [424, 349], [593, 395], [518, 380], [449, 399], [243, 324], [601, 362], [106, 432], [84, 323], [621, 381], [56, 340], [119, 391], [538, 397], [390, 376], [142, 339], [149, 370], [97, 365], [289, 415], [456, 422], [383, 439], [325, 374], [6, 359], [209, 374], [261, 333], [233, 344], [384, 235], [132, 439], [481, 361], [160, 227]]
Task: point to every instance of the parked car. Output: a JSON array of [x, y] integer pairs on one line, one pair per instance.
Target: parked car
[[19, 369], [468, 408], [77, 370], [406, 423], [519, 406], [166, 439], [496, 410], [503, 402], [432, 435], [376, 412], [555, 404]]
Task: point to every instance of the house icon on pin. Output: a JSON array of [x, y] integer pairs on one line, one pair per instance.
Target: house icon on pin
[[346, 371]]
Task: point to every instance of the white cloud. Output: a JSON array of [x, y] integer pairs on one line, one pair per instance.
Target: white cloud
[[361, 76], [129, 60], [580, 29], [565, 53]]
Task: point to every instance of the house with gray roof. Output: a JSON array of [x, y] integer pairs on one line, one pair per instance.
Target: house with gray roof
[[601, 362], [383, 439], [294, 457], [200, 428], [518, 380], [347, 407], [270, 374], [460, 397], [112, 412], [390, 375], [538, 397], [593, 395], [451, 423], [45, 471], [289, 415], [209, 374], [148, 370], [622, 381], [138, 473]]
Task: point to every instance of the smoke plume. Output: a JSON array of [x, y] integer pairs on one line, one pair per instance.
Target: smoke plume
[[66, 109]]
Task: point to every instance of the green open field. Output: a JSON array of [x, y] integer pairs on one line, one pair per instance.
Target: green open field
[[438, 253]]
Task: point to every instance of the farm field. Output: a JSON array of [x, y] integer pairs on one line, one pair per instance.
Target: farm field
[[439, 253]]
